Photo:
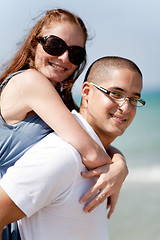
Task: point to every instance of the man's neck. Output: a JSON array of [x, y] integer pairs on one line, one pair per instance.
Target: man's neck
[[105, 139]]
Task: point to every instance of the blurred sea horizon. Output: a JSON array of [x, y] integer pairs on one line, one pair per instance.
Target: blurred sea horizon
[[137, 214]]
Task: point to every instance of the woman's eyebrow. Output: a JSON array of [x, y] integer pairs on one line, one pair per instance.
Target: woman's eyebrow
[[122, 90]]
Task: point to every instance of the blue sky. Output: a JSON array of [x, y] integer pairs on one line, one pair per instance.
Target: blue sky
[[127, 28]]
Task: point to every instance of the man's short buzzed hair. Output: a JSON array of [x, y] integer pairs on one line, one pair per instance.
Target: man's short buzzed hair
[[105, 65]]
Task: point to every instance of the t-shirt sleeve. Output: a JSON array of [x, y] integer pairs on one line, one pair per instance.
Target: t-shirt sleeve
[[41, 178]]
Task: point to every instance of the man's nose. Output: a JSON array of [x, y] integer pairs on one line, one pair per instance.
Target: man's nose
[[125, 105]]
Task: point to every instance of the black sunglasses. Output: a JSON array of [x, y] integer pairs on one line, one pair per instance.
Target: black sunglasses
[[56, 46]]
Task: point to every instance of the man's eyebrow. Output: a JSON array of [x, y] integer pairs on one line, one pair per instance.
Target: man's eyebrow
[[122, 90]]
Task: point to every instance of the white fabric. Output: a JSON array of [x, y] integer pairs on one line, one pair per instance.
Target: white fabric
[[46, 185]]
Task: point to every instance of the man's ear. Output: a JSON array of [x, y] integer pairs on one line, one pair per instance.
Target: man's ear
[[85, 93], [85, 90]]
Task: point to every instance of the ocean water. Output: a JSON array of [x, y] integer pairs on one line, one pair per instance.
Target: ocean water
[[137, 214]]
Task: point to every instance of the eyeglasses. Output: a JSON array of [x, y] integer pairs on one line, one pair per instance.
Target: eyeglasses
[[120, 97], [56, 46]]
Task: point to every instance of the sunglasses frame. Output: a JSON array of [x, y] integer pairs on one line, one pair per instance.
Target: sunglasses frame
[[75, 59]]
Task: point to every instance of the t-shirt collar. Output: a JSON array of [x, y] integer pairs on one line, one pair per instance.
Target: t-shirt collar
[[87, 128]]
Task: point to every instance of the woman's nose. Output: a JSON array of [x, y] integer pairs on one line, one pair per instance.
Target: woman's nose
[[64, 57]]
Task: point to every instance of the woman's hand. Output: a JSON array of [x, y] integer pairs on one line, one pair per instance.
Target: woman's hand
[[111, 203], [108, 184]]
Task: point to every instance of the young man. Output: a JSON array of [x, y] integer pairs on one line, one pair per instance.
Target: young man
[[45, 185]]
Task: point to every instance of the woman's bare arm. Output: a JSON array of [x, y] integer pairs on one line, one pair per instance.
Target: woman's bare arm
[[38, 94]]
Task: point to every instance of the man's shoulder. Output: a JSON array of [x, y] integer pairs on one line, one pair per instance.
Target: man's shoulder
[[52, 140], [49, 157], [52, 147]]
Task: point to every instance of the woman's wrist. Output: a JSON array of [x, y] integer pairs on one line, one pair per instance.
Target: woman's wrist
[[96, 157]]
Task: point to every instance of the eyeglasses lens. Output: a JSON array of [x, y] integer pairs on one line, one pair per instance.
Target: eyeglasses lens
[[121, 97]]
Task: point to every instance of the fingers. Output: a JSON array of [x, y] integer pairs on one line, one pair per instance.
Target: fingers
[[106, 185], [92, 173], [100, 186], [112, 201], [88, 194], [111, 207], [97, 200], [110, 212]]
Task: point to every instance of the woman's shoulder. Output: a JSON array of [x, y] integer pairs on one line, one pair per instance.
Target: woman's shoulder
[[30, 79], [28, 75]]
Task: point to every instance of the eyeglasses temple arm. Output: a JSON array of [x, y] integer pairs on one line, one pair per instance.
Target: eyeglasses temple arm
[[100, 88]]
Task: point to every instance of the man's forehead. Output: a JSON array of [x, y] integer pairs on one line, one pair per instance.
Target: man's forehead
[[122, 79]]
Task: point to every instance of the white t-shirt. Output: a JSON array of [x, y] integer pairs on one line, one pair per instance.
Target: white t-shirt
[[46, 185]]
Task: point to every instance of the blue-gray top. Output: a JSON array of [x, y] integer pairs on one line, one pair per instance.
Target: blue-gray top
[[16, 139]]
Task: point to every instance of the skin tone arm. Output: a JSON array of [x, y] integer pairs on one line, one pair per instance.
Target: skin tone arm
[[32, 97], [9, 212], [109, 182]]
